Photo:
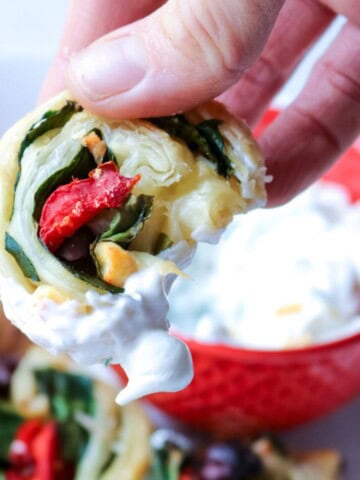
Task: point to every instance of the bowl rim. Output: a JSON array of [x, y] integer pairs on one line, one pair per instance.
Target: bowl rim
[[221, 349]]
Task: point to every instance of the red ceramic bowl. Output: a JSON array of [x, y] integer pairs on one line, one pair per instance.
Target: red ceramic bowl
[[241, 391]]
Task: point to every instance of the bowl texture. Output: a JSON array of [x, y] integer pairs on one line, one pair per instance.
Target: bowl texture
[[242, 391], [237, 391]]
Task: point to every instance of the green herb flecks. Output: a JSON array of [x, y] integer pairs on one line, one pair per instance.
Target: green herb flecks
[[129, 220], [28, 269], [204, 138], [50, 120]]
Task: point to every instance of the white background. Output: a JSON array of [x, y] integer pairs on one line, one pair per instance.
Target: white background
[[28, 39]]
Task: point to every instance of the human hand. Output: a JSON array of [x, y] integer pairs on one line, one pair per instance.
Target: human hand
[[185, 53]]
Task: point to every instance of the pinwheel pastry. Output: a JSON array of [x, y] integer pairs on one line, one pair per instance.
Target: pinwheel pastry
[[60, 423], [97, 218]]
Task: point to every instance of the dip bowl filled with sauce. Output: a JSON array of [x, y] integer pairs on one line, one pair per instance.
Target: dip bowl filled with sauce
[[283, 369]]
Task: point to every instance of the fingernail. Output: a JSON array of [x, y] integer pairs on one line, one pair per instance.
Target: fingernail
[[109, 67]]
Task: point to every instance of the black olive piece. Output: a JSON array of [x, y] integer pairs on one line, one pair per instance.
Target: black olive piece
[[7, 367], [230, 461], [76, 247]]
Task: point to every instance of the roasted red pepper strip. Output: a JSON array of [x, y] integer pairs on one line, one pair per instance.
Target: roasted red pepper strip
[[13, 475], [20, 454], [46, 453], [73, 205], [35, 453]]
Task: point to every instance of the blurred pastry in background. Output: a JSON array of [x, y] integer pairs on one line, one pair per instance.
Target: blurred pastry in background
[[178, 456], [59, 423]]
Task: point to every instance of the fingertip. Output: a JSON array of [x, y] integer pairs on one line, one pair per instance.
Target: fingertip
[[118, 77], [108, 68]]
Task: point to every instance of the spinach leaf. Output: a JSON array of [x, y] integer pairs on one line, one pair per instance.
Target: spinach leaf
[[163, 242], [210, 130], [85, 270], [129, 220], [79, 167], [10, 421], [89, 275], [179, 126], [204, 138], [50, 120], [28, 269], [68, 393], [73, 440]]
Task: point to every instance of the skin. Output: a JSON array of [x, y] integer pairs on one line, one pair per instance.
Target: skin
[[189, 51]]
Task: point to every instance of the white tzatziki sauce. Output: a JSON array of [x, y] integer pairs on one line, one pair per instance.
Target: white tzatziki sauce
[[130, 329], [280, 278]]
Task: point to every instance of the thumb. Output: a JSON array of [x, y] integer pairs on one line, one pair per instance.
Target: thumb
[[185, 53]]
